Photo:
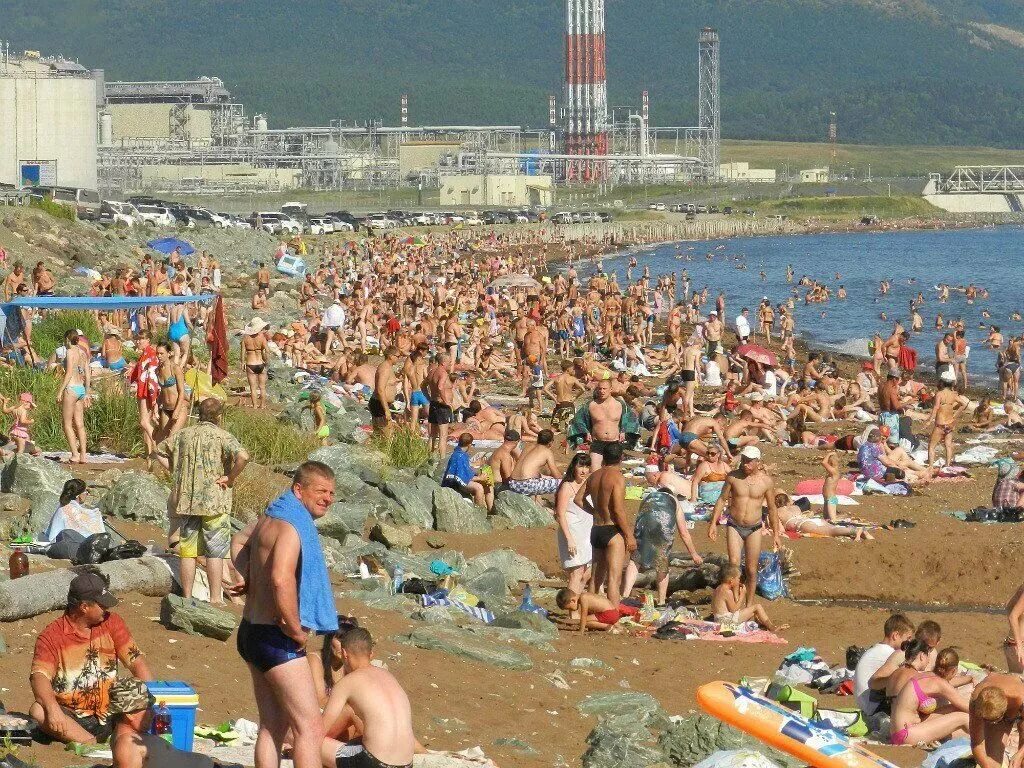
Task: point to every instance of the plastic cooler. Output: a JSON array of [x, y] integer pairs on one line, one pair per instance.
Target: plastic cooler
[[181, 701]]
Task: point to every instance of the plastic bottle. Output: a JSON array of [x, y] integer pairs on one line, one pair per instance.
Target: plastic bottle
[[528, 605], [399, 579], [162, 721], [18, 564]]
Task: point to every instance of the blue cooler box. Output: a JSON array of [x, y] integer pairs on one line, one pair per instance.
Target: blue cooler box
[[181, 701]]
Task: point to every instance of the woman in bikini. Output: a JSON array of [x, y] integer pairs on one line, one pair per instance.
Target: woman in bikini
[[179, 329], [795, 520], [254, 357], [916, 716], [709, 477], [74, 396], [172, 404]]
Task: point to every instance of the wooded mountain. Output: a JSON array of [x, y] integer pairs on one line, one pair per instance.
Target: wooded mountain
[[895, 71]]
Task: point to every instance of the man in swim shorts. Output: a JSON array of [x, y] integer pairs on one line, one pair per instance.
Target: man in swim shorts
[[439, 388], [535, 473], [746, 491], [372, 697], [604, 496], [289, 594]]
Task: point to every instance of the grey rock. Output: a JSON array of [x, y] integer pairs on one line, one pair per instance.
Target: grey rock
[[514, 566], [527, 620], [583, 662], [13, 503], [392, 536], [104, 480], [435, 542], [385, 601], [454, 514], [517, 745], [691, 739], [415, 499], [618, 703], [197, 617], [622, 741], [489, 583], [436, 615], [365, 463], [136, 496], [521, 511], [38, 480], [457, 642]]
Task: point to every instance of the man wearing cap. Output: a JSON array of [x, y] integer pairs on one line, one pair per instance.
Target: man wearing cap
[[204, 461], [747, 489], [132, 745], [75, 663]]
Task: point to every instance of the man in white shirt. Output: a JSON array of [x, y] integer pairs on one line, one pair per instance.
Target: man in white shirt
[[743, 326], [898, 630], [332, 322]]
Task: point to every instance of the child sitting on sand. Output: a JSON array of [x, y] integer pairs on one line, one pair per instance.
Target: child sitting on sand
[[728, 600], [596, 612]]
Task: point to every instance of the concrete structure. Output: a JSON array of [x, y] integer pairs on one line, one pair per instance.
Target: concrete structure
[[586, 87], [709, 113], [743, 172], [814, 176], [978, 189], [227, 177], [497, 190], [48, 122], [194, 111], [415, 157]]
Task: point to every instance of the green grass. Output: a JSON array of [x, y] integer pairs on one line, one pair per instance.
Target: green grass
[[267, 439], [844, 207], [57, 210], [48, 333], [111, 421], [254, 489], [403, 447]]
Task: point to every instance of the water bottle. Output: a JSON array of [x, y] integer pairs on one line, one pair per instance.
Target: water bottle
[[162, 721], [399, 579]]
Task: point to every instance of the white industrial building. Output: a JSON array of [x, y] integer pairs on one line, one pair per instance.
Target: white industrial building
[[743, 172], [48, 122], [815, 176], [497, 189]]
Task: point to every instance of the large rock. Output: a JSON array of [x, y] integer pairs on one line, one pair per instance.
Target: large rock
[[415, 499], [197, 617], [514, 566], [38, 480], [625, 736], [136, 496], [392, 536], [488, 584], [454, 514], [365, 463], [527, 620], [457, 642], [521, 511], [688, 740]]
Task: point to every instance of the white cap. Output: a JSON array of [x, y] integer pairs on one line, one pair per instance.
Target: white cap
[[751, 452]]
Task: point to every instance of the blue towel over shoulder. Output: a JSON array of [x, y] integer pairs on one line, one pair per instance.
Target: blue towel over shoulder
[[316, 600]]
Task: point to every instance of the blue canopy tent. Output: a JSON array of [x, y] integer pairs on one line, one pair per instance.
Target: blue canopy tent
[[166, 245], [10, 321]]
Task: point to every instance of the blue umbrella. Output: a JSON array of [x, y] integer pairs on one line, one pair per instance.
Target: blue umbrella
[[166, 245]]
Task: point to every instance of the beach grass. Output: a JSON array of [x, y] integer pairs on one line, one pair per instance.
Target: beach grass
[[267, 439], [254, 489], [403, 447], [48, 333], [844, 207]]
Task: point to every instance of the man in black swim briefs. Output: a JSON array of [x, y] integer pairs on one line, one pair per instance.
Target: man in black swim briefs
[[604, 496], [747, 490]]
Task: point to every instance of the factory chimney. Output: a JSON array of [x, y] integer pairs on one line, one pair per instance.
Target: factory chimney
[[586, 87]]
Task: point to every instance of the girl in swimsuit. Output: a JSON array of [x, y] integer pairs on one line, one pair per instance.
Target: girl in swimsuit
[[179, 329], [22, 421], [74, 396], [915, 712], [172, 402], [254, 355]]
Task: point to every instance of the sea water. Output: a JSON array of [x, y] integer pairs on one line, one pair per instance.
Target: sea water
[[914, 262]]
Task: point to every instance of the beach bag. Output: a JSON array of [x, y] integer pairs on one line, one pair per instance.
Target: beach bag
[[128, 550], [770, 583], [853, 654], [848, 721], [93, 550]]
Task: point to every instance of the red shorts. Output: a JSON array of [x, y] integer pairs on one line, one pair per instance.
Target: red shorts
[[612, 615], [393, 325]]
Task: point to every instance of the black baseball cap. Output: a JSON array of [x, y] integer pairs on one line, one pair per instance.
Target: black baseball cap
[[92, 587]]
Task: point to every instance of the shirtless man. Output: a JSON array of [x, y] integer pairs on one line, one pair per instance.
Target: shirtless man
[[385, 387], [696, 435], [274, 565], [439, 390], [535, 473], [713, 335], [948, 406], [604, 496], [414, 373], [13, 280], [371, 699], [504, 458], [564, 389], [605, 417], [688, 371], [263, 278], [944, 354], [746, 491]]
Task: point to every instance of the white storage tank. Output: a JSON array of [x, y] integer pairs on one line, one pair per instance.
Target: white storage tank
[[47, 123]]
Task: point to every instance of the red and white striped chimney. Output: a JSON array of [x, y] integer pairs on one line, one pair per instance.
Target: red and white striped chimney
[[586, 86]]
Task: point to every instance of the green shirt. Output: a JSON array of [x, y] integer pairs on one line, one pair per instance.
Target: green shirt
[[199, 455]]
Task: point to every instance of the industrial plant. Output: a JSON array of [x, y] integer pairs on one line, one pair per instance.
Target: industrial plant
[[71, 127]]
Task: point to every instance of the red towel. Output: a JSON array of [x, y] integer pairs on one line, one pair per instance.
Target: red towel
[[217, 340]]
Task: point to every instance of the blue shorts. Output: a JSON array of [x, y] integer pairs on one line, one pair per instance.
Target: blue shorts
[[265, 646], [419, 399], [117, 365]]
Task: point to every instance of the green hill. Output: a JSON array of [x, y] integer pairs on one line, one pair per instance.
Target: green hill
[[896, 71]]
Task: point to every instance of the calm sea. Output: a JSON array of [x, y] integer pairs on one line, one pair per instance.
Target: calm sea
[[912, 261]]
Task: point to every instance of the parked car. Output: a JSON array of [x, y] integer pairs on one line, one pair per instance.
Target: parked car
[[155, 215], [114, 213], [727, 210], [321, 225], [702, 209], [605, 216], [235, 222], [275, 222], [379, 221], [472, 219], [86, 202], [346, 217], [562, 217], [589, 217], [204, 217], [341, 225]]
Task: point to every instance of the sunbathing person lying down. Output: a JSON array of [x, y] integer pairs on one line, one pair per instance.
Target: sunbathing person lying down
[[797, 521]]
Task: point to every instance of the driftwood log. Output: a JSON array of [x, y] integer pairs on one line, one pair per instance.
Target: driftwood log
[[684, 576], [42, 592]]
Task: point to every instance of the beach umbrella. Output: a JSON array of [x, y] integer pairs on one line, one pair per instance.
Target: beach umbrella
[[758, 354], [202, 386], [166, 245]]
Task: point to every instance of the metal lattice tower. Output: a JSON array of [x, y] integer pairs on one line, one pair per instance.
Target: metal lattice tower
[[586, 87], [709, 110]]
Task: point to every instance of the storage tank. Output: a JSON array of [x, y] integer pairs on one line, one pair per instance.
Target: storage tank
[[48, 125], [261, 123], [106, 129]]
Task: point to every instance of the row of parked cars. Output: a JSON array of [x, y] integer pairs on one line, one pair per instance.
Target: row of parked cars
[[689, 208]]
